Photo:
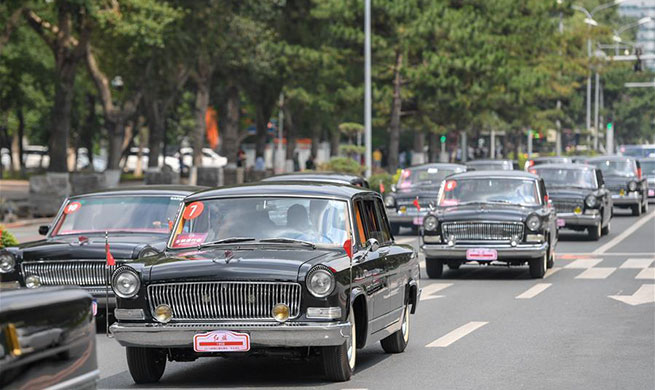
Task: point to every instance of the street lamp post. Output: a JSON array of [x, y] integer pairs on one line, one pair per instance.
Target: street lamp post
[[367, 86]]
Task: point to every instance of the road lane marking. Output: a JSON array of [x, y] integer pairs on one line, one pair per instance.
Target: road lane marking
[[636, 263], [624, 234], [573, 256], [583, 263], [406, 240], [456, 334], [550, 272], [645, 294], [596, 273], [646, 273], [430, 289], [534, 291]]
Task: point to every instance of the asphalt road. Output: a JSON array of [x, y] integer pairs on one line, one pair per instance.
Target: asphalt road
[[581, 327]]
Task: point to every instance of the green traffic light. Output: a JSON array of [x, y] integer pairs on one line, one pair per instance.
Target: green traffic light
[[609, 126], [443, 138]]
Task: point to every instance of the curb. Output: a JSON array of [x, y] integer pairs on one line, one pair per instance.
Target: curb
[[25, 222]]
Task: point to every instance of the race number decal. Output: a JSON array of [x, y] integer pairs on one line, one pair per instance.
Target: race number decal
[[221, 341], [72, 207], [193, 210]]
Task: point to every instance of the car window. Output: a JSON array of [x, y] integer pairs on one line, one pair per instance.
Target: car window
[[381, 215], [371, 223]]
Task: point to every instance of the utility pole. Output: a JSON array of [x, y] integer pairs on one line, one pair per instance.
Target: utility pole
[[367, 87], [589, 88], [492, 142], [529, 143], [279, 158], [596, 104], [558, 123]]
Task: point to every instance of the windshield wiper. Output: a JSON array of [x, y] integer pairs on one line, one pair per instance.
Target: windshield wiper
[[229, 240], [289, 241]]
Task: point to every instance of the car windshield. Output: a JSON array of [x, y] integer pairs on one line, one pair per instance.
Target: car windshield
[[489, 190], [432, 176], [648, 168], [255, 219], [616, 168], [566, 177], [124, 214]]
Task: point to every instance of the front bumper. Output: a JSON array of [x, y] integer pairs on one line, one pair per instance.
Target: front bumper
[[505, 251], [630, 199], [404, 219], [572, 219], [306, 334]]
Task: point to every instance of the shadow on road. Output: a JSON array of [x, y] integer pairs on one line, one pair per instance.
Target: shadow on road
[[491, 272]]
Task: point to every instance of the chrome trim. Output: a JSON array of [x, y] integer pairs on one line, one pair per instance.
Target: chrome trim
[[482, 230], [86, 273], [567, 205], [225, 300]]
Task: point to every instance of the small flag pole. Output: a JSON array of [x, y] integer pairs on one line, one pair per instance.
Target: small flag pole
[[106, 283]]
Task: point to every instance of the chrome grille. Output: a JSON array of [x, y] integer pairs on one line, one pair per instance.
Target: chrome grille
[[76, 272], [482, 231], [197, 301], [566, 206]]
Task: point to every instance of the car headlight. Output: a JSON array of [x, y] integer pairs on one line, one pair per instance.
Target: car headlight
[[533, 222], [632, 186], [320, 281], [7, 263], [430, 223], [125, 283], [591, 201], [389, 201]]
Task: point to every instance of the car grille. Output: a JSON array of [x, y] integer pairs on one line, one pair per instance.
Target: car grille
[[566, 206], [617, 187], [198, 301], [62, 272], [482, 231]]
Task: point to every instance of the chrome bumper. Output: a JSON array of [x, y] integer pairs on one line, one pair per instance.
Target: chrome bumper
[[632, 198], [573, 219], [505, 251], [261, 335], [403, 219]]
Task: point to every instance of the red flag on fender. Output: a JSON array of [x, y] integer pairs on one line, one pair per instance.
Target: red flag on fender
[[418, 206], [110, 257], [381, 187], [348, 246]]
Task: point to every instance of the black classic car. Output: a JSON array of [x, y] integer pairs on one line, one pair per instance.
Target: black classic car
[[546, 160], [490, 165], [293, 269], [416, 184], [321, 177], [487, 217], [624, 179], [578, 194], [648, 171], [47, 339], [136, 221]]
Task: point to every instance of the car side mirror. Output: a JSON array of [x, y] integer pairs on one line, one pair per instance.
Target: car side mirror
[[43, 229], [372, 245], [393, 188]]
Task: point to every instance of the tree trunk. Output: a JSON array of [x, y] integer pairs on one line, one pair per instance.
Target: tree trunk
[[202, 102], [316, 138], [433, 146], [290, 128], [21, 134], [394, 124], [231, 128], [61, 120], [262, 115], [419, 144], [89, 127], [116, 131], [335, 139], [156, 138]]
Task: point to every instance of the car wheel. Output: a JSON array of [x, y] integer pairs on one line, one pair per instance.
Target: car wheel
[[146, 364], [454, 266], [538, 266], [606, 229], [339, 362], [636, 210], [595, 232], [434, 268], [397, 342]]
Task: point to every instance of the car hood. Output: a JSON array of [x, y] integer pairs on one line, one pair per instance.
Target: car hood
[[66, 248], [233, 264], [485, 212]]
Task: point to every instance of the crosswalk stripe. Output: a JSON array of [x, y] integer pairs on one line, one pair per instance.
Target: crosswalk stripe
[[596, 273], [583, 263], [636, 263], [550, 272], [646, 273], [533, 291], [405, 240], [456, 334], [432, 288]]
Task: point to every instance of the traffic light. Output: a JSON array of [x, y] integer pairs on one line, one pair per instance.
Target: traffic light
[[609, 125], [443, 139]]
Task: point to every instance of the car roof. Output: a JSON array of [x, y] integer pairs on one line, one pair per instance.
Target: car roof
[[296, 188], [647, 159], [303, 176], [486, 161], [145, 190], [515, 174], [612, 158], [564, 166]]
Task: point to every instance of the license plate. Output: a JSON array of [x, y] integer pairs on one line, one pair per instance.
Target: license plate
[[418, 220], [561, 222], [221, 341], [481, 254], [402, 209], [622, 192], [651, 192]]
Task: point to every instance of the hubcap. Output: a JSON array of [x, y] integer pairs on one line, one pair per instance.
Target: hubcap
[[405, 326], [351, 343]]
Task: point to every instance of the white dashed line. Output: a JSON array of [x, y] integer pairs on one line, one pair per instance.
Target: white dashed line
[[583, 263], [624, 234], [551, 271], [646, 273], [534, 291], [456, 334], [596, 273], [430, 289], [406, 240], [636, 263]]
